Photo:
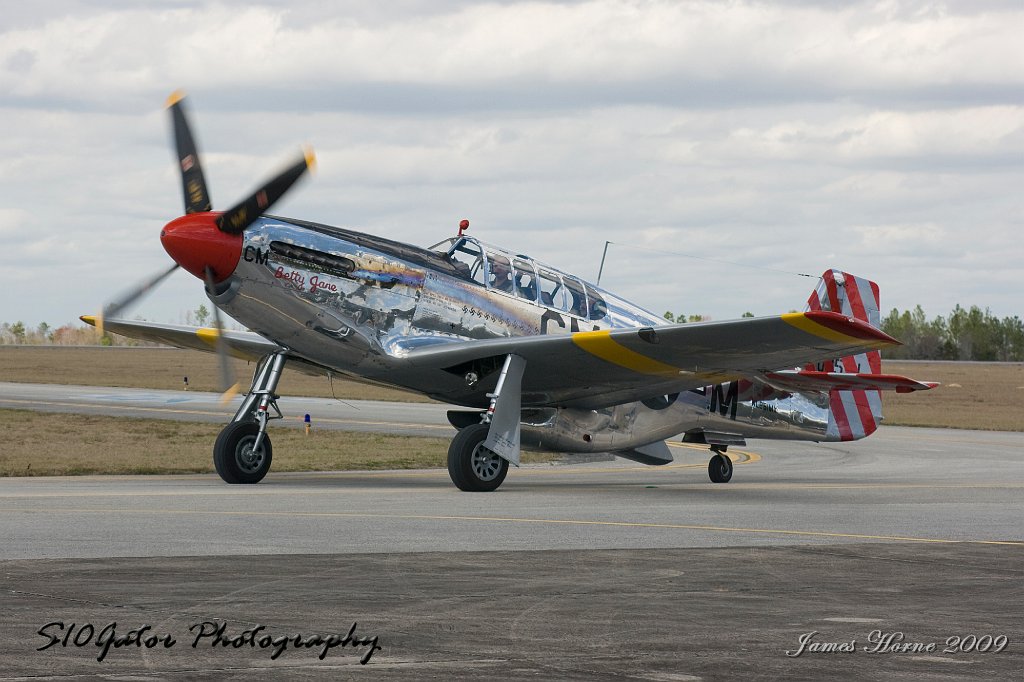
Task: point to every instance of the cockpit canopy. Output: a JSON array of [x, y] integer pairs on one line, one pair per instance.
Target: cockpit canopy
[[522, 277]]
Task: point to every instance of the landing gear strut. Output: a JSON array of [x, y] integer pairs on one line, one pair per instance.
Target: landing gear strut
[[720, 466], [243, 452]]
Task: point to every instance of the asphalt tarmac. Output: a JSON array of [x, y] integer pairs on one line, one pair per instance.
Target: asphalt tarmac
[[889, 546], [409, 419]]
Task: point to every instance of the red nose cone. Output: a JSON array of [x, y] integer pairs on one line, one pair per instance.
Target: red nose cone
[[195, 243]]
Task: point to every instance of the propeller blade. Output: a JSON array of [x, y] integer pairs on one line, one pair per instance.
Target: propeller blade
[[245, 212], [228, 386], [197, 197], [140, 290]]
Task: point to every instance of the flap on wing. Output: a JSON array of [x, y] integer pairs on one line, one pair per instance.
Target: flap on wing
[[654, 454], [244, 345], [802, 380]]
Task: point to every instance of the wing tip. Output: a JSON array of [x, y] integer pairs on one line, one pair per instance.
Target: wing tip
[[841, 324]]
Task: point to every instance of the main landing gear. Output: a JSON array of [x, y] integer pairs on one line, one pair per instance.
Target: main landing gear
[[720, 466], [243, 453], [479, 455]]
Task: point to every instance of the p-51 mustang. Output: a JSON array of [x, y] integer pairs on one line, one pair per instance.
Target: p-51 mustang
[[538, 358]]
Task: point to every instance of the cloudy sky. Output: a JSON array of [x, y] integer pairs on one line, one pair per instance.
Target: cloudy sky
[[721, 146]]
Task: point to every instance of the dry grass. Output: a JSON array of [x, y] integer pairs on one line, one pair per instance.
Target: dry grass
[[164, 368], [41, 444], [973, 395]]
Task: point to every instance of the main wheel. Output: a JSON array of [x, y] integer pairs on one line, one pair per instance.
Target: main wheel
[[234, 457], [473, 467], [720, 469]]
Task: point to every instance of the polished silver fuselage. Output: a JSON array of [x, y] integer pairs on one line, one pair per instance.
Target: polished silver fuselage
[[355, 305]]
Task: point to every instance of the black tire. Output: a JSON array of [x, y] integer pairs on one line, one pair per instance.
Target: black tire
[[473, 468], [233, 456], [720, 469]]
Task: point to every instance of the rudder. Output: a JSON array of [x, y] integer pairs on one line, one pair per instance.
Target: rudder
[[852, 414]]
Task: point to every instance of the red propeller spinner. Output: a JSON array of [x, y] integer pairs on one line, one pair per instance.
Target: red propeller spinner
[[196, 243]]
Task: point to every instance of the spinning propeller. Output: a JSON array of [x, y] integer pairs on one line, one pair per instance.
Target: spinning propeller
[[208, 243]]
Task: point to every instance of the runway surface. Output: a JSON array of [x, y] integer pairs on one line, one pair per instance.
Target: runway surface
[[412, 419], [599, 570], [914, 484]]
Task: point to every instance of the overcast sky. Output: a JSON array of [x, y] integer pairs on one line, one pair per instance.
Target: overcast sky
[[883, 138]]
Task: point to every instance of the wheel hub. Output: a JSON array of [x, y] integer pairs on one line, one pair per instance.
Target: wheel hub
[[248, 460], [486, 464]]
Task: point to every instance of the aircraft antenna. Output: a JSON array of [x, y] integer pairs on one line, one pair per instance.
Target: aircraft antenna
[[601, 269]]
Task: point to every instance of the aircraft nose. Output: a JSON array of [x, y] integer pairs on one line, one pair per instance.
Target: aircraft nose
[[195, 243]]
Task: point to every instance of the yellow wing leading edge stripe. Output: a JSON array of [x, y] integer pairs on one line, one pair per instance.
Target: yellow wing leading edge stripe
[[208, 335], [600, 344]]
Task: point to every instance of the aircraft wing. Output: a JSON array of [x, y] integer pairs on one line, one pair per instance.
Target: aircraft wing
[[600, 368], [244, 345], [801, 380]]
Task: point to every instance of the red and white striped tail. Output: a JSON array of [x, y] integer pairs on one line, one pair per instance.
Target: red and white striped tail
[[852, 414]]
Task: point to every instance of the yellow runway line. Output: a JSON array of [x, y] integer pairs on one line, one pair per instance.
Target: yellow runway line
[[521, 520]]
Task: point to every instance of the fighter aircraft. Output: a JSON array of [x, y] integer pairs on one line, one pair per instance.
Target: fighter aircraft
[[535, 356]]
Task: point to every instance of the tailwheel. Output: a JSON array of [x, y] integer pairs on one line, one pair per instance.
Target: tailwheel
[[236, 459], [473, 467], [720, 468]]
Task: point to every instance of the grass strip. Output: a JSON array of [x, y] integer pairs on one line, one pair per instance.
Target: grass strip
[[44, 444]]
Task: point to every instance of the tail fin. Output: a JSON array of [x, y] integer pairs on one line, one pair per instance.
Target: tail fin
[[852, 414]]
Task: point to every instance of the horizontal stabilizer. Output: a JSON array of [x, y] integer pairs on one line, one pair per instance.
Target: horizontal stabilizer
[[804, 380]]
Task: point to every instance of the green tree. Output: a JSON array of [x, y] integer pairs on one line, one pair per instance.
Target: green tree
[[967, 334], [202, 314]]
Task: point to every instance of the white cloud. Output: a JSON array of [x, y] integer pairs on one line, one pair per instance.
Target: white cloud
[[651, 51], [885, 138]]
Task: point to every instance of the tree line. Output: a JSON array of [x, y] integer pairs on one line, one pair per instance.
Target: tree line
[[965, 334], [74, 334]]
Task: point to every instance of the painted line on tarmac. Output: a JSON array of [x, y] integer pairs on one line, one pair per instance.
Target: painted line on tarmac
[[206, 413], [525, 520], [270, 490], [106, 406]]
